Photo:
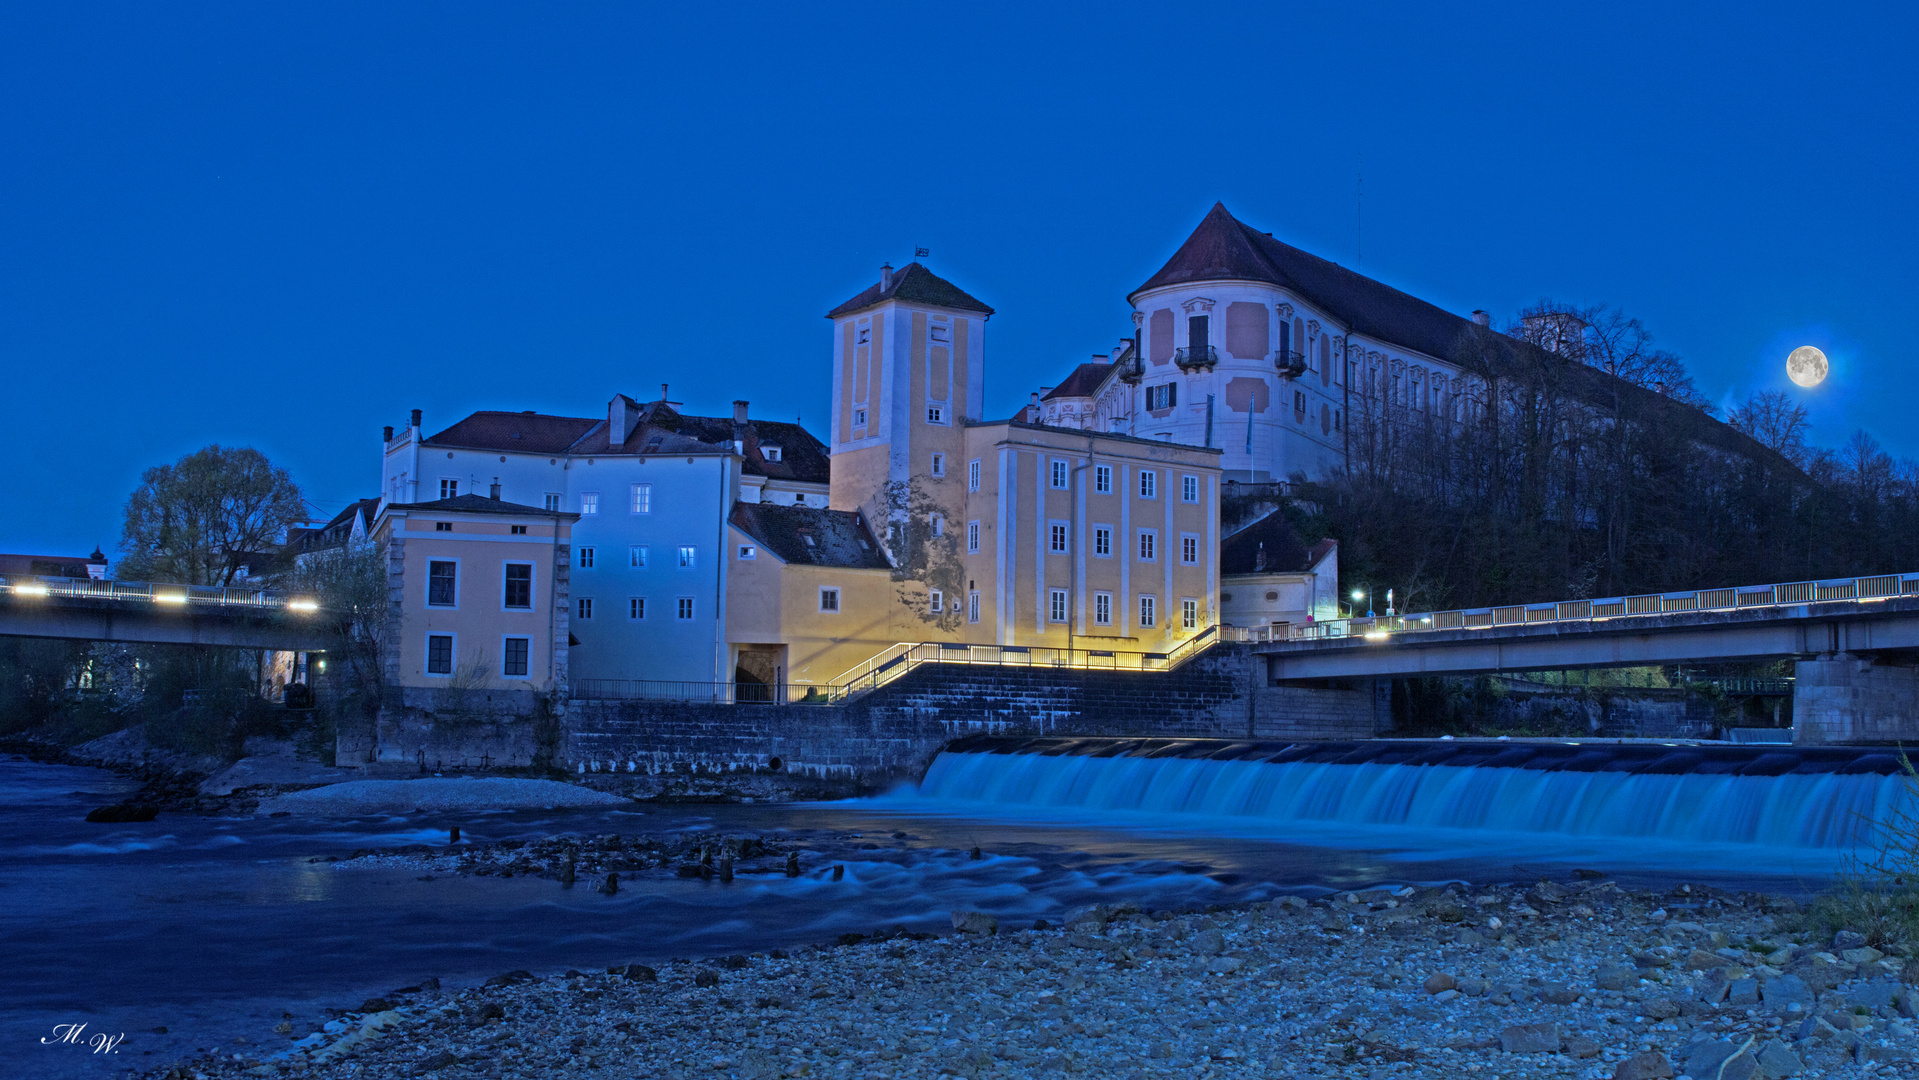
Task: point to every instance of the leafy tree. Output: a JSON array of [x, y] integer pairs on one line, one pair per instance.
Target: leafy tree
[[202, 518]]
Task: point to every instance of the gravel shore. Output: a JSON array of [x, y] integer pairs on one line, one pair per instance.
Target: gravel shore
[[1554, 979]]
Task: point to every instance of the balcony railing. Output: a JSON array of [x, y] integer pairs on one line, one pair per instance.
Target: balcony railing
[[1739, 598], [1196, 356], [1291, 365]]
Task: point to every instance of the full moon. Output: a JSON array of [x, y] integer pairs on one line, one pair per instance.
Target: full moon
[[1806, 366]]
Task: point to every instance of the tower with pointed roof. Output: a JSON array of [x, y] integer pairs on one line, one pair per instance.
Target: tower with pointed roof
[[909, 359]]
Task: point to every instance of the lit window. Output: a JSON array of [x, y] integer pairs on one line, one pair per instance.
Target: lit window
[[972, 536], [686, 607], [1058, 545], [748, 551], [589, 502], [939, 464], [1060, 474], [972, 475], [586, 558], [583, 607], [1057, 598], [439, 654], [1148, 484], [441, 578], [1103, 479], [636, 607], [1148, 545], [829, 600], [517, 591], [1103, 541], [514, 653], [1189, 549], [1189, 489], [1148, 612], [1102, 609], [642, 498], [449, 488], [636, 556], [686, 557], [1189, 614]]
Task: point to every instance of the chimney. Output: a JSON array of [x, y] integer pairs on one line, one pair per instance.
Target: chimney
[[415, 422], [495, 493], [662, 391], [619, 421], [739, 412], [1482, 318], [387, 433], [886, 277]]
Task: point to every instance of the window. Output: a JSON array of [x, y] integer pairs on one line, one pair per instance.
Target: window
[[939, 464], [1061, 472], [972, 607], [513, 652], [936, 414], [443, 526], [1148, 545], [829, 600], [518, 589], [636, 607], [1189, 489], [686, 607], [972, 536], [972, 475], [589, 502], [518, 530], [1103, 479], [439, 654], [1299, 404], [553, 500], [1057, 544], [865, 335], [1162, 397], [939, 524], [686, 557], [1057, 605], [770, 453], [1102, 541], [938, 332], [1338, 421], [1189, 614], [859, 417], [1102, 609], [1148, 612], [748, 551], [1148, 484], [449, 489], [642, 498], [583, 607], [1189, 549], [441, 578], [636, 556], [799, 498], [934, 600], [586, 558]]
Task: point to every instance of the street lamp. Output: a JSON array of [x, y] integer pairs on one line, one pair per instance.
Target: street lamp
[[1363, 594]]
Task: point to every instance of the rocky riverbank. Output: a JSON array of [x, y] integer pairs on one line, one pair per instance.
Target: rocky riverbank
[[598, 860], [1554, 979]]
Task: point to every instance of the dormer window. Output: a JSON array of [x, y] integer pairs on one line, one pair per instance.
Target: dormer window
[[770, 453]]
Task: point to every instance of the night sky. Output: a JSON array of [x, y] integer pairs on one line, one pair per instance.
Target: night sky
[[285, 225]]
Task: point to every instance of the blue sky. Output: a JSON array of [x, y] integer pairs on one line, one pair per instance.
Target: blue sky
[[285, 225]]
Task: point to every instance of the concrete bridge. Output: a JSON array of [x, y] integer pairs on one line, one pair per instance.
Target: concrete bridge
[[1854, 643], [157, 614]]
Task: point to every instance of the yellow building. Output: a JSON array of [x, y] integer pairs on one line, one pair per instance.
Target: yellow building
[[479, 593], [945, 527]]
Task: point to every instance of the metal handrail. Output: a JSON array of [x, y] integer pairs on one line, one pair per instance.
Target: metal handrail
[[1195, 356], [1291, 365], [894, 661], [1736, 598], [35, 587]]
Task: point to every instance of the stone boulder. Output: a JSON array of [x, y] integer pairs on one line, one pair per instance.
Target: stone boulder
[[1540, 1038], [1651, 1065], [975, 922]]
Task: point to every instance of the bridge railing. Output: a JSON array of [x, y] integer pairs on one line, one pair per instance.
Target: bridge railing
[[33, 587], [1735, 598]]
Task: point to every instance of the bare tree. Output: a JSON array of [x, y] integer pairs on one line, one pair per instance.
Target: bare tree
[[1776, 421], [1613, 342]]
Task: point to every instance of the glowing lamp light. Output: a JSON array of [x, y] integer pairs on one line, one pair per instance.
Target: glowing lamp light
[[1359, 594], [169, 598], [1377, 635], [304, 607], [31, 588]]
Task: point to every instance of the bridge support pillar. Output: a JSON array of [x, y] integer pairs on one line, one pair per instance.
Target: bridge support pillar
[[1843, 698]]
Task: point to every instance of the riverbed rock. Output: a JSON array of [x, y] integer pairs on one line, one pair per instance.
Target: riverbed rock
[[1776, 1060], [1784, 990], [1439, 982], [1721, 1059], [1646, 1065], [1535, 1038], [1847, 939], [1209, 943], [1615, 977], [1558, 994], [975, 922]]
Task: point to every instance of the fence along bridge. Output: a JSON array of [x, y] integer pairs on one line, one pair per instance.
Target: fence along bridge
[[1854, 642], [146, 613]]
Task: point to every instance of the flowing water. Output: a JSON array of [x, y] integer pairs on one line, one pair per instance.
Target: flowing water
[[214, 928]]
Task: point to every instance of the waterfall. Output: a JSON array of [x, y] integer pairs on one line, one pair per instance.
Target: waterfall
[[1829, 809]]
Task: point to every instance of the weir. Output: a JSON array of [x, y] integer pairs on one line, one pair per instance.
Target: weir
[[1805, 798]]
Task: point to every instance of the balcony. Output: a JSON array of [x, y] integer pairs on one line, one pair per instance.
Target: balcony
[[1291, 365], [1197, 356]]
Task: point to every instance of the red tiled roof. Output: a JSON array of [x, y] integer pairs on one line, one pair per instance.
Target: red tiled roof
[[917, 284], [1085, 381], [812, 535], [526, 432]]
